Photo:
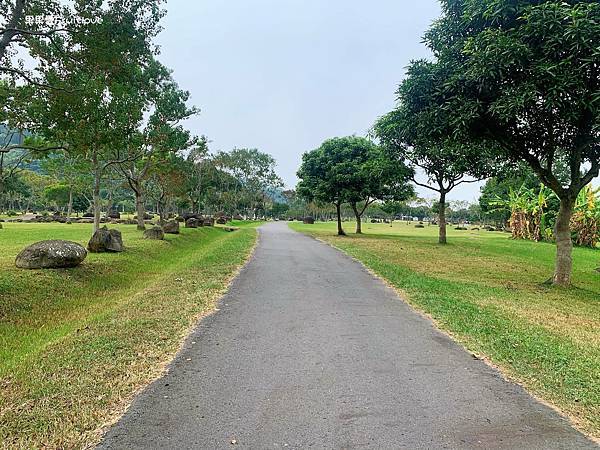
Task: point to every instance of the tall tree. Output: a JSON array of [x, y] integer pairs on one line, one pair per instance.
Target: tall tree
[[417, 132], [526, 75], [24, 24], [151, 143], [320, 179], [96, 112]]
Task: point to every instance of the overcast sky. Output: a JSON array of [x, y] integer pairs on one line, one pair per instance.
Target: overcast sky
[[284, 75]]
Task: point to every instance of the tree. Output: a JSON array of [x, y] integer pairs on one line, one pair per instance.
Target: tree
[[500, 186], [371, 176], [71, 172], [94, 112], [163, 133], [321, 177], [27, 24], [255, 172], [354, 170], [525, 76], [169, 181], [416, 131]]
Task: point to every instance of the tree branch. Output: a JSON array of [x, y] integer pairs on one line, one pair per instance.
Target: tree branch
[[468, 181], [424, 185]]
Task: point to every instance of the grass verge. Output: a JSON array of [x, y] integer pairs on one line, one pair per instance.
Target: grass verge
[[77, 344], [486, 290]]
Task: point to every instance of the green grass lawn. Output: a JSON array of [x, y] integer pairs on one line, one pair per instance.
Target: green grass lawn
[[487, 290], [76, 344]]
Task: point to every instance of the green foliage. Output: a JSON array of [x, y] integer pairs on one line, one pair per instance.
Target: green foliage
[[57, 193], [524, 76], [500, 186], [352, 169], [421, 132], [585, 222]]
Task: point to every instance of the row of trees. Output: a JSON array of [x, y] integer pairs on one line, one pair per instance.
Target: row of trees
[[240, 182], [102, 113], [511, 83]]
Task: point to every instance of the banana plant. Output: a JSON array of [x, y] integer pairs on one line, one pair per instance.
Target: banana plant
[[585, 223]]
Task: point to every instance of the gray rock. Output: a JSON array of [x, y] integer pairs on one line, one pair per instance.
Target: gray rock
[[154, 233], [192, 222], [105, 240], [53, 254], [171, 227]]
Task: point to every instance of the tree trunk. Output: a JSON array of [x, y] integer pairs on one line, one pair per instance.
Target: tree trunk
[[109, 203], [96, 198], [442, 218], [564, 244], [161, 210], [338, 208], [70, 205], [140, 210], [358, 218]]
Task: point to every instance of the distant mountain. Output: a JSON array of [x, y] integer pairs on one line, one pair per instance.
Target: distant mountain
[[277, 195], [9, 138]]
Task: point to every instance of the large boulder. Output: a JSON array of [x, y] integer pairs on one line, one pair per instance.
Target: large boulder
[[171, 227], [221, 220], [105, 240], [154, 233], [308, 220], [54, 254], [208, 221], [192, 222]]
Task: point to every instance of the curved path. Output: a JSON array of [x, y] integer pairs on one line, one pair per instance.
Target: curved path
[[309, 350]]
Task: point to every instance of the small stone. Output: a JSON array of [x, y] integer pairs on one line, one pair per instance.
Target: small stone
[[171, 227], [192, 222], [105, 240], [156, 233]]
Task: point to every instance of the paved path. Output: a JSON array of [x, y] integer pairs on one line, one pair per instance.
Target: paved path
[[309, 350]]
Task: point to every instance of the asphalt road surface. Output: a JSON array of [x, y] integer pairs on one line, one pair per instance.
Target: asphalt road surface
[[309, 350]]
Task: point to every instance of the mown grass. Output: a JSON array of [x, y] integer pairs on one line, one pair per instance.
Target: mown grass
[[76, 344], [488, 291]]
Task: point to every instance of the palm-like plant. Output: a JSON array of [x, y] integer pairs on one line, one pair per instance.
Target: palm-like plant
[[585, 222], [527, 219]]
